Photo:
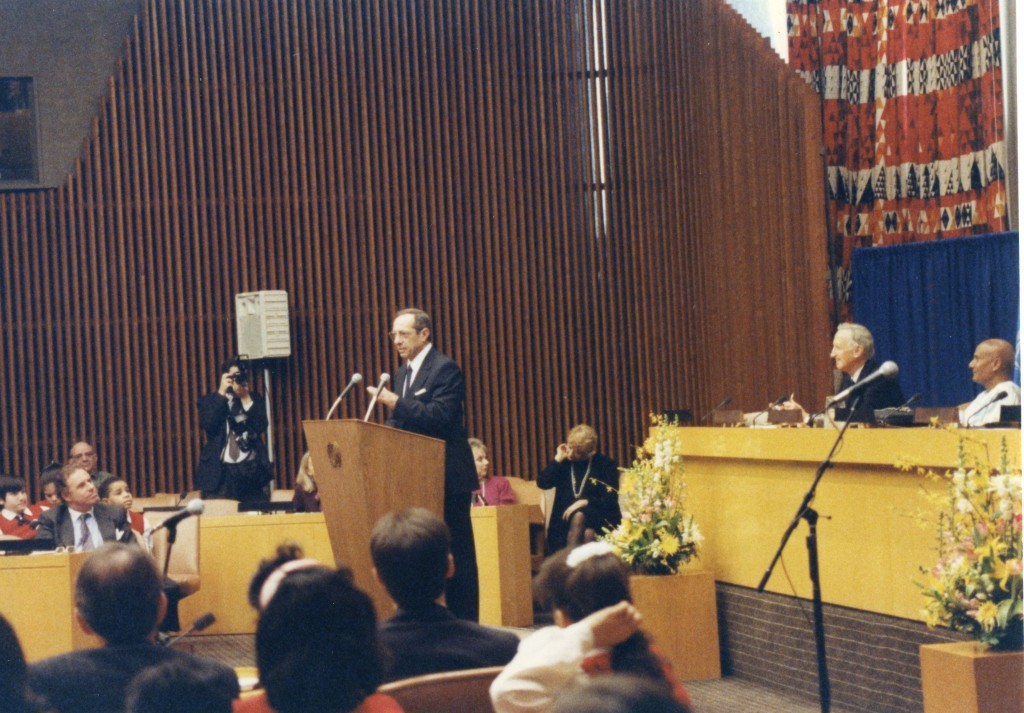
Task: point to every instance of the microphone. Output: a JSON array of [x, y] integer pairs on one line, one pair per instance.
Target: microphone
[[384, 378], [903, 408], [998, 397], [911, 401], [198, 625], [194, 507], [888, 370], [357, 378], [778, 402], [725, 402]]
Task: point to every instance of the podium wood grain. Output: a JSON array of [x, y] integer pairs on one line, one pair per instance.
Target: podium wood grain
[[363, 471]]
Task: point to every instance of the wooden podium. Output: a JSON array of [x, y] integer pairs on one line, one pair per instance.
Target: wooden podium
[[364, 471]]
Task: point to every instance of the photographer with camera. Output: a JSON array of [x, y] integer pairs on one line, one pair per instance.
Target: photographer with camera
[[233, 463]]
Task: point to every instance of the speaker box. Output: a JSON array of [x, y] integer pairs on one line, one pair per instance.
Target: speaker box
[[262, 321]]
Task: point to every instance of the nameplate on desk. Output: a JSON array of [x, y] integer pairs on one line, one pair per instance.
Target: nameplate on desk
[[784, 416], [924, 415], [727, 417]]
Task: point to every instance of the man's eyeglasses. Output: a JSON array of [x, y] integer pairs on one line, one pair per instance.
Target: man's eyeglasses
[[404, 333]]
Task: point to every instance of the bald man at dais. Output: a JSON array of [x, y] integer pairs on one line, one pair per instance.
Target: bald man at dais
[[992, 368]]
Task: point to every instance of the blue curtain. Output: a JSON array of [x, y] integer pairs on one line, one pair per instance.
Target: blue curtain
[[929, 304]]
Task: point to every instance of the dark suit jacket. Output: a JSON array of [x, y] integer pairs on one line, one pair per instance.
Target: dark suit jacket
[[434, 406], [213, 418], [434, 640], [55, 524], [884, 393], [95, 680]]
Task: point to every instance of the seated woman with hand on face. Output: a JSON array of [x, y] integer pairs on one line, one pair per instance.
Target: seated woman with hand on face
[[586, 490]]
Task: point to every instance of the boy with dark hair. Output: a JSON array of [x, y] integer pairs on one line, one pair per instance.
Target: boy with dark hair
[[17, 518], [412, 558]]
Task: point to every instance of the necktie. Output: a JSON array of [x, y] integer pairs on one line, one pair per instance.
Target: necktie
[[85, 543], [407, 382]]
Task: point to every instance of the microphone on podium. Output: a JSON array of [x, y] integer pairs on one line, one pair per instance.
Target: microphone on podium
[[725, 402], [384, 379], [888, 370], [357, 378]]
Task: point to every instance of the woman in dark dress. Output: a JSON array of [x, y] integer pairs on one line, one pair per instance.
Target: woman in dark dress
[[586, 490]]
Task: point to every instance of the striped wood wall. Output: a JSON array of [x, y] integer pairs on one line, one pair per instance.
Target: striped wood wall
[[366, 156]]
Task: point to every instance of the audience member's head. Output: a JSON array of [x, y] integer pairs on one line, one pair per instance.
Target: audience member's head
[[115, 491], [287, 551], [577, 582], [84, 456], [12, 494], [305, 478], [992, 363], [316, 642], [77, 489], [50, 482], [411, 553], [582, 441], [14, 694], [179, 685], [118, 594], [574, 583], [618, 693], [852, 346], [481, 458]]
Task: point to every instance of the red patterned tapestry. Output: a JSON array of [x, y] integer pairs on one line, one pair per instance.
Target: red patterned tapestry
[[913, 115]]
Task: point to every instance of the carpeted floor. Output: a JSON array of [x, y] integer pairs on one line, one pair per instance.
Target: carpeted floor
[[726, 695]]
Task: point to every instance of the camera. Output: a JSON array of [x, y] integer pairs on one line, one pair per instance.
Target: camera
[[241, 377]]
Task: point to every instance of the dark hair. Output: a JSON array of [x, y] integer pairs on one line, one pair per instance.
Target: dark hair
[[410, 551], [10, 485], [106, 485], [118, 593], [179, 685], [316, 643], [618, 693], [421, 320], [14, 692], [50, 474], [595, 583], [286, 551], [243, 368]]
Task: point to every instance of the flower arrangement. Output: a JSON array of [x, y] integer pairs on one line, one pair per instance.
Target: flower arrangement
[[975, 587], [656, 535]]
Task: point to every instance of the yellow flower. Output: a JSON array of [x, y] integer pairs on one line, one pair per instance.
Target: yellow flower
[[669, 543], [993, 547], [987, 614]]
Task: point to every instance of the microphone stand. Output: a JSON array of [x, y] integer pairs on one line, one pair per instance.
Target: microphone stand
[[172, 535], [806, 512]]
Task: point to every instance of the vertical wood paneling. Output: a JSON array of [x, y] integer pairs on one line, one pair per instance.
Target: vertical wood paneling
[[365, 156]]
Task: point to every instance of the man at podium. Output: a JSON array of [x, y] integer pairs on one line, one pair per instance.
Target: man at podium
[[429, 399]]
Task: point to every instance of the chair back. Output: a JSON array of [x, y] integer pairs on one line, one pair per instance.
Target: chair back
[[184, 565], [528, 493], [463, 691], [215, 507], [281, 495], [156, 500]]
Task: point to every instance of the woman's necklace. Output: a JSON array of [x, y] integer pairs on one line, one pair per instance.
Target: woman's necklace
[[572, 473]]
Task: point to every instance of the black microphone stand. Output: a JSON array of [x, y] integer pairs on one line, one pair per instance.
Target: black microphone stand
[[806, 512], [172, 535]]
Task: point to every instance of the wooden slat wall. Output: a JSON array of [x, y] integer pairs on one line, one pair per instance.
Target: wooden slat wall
[[366, 156]]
